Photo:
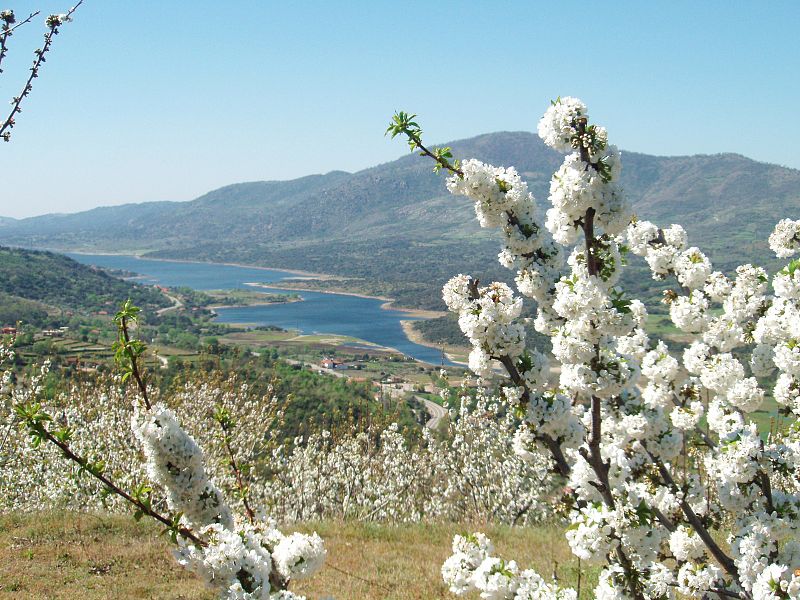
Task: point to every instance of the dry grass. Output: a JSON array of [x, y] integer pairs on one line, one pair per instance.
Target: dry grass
[[48, 556], [87, 557]]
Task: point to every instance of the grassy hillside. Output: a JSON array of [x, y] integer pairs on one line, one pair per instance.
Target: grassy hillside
[[14, 309], [34, 283]]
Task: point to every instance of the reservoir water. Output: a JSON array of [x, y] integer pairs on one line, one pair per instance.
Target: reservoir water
[[362, 318]]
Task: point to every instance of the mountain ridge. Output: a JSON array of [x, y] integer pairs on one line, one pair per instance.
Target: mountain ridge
[[395, 222]]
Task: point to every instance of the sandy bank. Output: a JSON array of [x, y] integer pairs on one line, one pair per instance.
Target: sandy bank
[[415, 336]]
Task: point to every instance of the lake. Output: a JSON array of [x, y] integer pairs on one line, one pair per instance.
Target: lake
[[319, 312]]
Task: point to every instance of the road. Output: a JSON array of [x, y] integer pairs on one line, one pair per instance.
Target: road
[[176, 303], [436, 412]]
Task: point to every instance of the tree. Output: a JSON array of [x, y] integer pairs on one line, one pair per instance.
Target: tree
[[652, 491], [242, 556]]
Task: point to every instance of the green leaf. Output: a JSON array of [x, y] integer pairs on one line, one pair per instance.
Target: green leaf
[[64, 434], [174, 529]]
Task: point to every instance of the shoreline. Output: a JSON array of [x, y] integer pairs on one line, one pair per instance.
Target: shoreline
[[387, 303], [216, 306], [290, 300], [418, 313], [414, 336], [321, 276]]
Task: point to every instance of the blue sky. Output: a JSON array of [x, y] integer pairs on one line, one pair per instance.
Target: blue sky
[[165, 100]]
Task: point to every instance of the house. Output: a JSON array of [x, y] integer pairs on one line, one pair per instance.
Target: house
[[9, 331], [328, 363]]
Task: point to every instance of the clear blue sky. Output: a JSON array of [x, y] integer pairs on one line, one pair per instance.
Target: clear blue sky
[[165, 100]]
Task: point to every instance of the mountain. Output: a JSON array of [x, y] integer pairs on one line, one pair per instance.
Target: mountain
[[35, 283], [396, 227]]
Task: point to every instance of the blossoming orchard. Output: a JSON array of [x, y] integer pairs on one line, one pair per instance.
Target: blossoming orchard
[[670, 487]]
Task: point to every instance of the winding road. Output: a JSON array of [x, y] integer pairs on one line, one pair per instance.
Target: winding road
[[436, 411], [176, 304]]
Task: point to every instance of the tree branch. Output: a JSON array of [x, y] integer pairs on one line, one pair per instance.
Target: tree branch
[[8, 124], [84, 464], [442, 162], [723, 559], [8, 30], [226, 441], [123, 326]]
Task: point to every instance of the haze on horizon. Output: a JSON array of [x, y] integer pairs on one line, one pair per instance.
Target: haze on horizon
[[170, 100]]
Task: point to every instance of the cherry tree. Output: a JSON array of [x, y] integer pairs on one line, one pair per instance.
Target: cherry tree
[[612, 409]]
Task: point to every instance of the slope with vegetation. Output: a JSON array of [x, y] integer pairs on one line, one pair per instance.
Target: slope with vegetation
[[35, 285], [395, 229]]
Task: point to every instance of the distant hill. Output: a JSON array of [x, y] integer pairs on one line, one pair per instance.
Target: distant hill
[[34, 284], [395, 226]]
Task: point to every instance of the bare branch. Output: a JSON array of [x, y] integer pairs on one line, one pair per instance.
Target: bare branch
[[7, 31], [39, 53]]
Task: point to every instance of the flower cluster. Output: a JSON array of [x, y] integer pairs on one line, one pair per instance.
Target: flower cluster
[[785, 239], [175, 462], [502, 200], [558, 127], [247, 561], [472, 568]]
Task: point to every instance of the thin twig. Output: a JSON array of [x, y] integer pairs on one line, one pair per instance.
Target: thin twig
[[354, 576], [444, 163], [11, 425], [251, 515], [7, 32], [134, 365], [8, 124], [21, 23], [725, 593]]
